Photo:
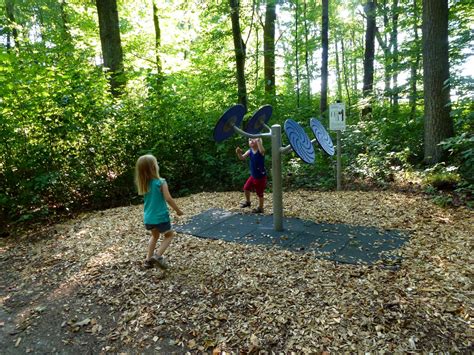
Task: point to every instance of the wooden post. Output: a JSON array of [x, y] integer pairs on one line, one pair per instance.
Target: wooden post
[[338, 166]]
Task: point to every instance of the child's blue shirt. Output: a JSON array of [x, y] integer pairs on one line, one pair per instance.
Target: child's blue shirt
[[257, 164], [155, 207]]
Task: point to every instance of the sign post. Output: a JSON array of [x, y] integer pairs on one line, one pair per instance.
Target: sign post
[[337, 122]]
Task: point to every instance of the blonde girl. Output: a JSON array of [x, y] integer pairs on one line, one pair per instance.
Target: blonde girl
[[156, 215]]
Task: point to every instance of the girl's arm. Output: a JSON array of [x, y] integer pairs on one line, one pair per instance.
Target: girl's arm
[[241, 156], [169, 199], [260, 146]]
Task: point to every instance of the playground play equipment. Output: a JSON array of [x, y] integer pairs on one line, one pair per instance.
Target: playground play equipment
[[300, 143]]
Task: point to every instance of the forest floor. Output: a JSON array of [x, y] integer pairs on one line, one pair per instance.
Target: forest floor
[[79, 286]]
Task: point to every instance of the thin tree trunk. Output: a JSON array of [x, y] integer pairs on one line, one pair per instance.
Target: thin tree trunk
[[269, 50], [355, 79], [257, 54], [239, 48], [394, 47], [10, 11], [40, 28], [306, 55], [111, 43], [369, 56], [338, 70], [386, 61], [156, 23], [296, 57], [438, 122], [346, 76], [414, 63], [324, 58], [65, 30], [386, 51], [159, 67]]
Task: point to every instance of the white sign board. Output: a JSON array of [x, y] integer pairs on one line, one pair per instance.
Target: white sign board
[[337, 117]]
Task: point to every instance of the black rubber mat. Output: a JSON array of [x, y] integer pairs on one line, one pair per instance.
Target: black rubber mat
[[338, 242]]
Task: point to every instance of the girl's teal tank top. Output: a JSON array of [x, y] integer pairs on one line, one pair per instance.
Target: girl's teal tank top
[[155, 206]]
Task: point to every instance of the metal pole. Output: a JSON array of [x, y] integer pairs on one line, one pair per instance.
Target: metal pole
[[276, 175], [249, 135], [338, 172]]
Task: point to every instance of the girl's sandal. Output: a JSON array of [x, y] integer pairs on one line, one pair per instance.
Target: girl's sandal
[[257, 210], [244, 204]]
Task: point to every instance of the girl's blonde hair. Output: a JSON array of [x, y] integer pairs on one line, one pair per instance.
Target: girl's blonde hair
[[146, 170]]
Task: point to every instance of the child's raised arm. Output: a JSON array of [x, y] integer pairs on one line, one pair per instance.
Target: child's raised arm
[[241, 156], [169, 199], [260, 146]]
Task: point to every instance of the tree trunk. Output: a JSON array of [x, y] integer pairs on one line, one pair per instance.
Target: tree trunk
[[394, 47], [66, 35], [338, 69], [306, 54], [296, 57], [156, 24], [257, 52], [159, 68], [324, 58], [386, 52], [111, 43], [269, 50], [369, 56], [438, 123], [39, 32], [346, 76], [414, 63], [10, 11], [355, 77], [239, 48]]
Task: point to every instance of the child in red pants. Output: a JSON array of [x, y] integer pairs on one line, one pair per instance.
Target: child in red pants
[[258, 175]]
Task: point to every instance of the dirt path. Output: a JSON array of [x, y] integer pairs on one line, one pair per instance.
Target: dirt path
[[79, 287], [43, 312]]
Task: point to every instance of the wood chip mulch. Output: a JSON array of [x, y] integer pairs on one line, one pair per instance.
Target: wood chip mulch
[[221, 296]]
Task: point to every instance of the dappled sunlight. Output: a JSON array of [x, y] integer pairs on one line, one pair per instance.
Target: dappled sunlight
[[219, 292], [87, 87], [3, 299]]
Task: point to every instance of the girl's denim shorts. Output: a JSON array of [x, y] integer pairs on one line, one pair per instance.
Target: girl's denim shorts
[[162, 227]]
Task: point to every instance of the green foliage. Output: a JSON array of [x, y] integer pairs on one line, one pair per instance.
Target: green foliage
[[383, 144], [321, 175], [442, 177], [461, 146], [462, 150], [442, 200], [446, 187], [66, 143]]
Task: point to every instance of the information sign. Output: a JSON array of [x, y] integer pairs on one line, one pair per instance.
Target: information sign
[[337, 117]]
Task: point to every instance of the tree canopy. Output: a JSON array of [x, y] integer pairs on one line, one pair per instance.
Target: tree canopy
[[82, 99]]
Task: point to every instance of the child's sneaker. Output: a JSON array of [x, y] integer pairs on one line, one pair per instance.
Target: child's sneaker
[[149, 263], [160, 261]]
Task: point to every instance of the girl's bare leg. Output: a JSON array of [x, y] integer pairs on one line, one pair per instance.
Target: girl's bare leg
[[165, 243], [260, 202], [155, 235]]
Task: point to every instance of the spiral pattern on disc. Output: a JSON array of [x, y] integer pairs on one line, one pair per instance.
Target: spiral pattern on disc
[[299, 141], [322, 136]]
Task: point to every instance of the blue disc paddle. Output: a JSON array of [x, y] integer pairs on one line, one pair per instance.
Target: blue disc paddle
[[225, 126], [299, 141], [322, 136], [259, 119]]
